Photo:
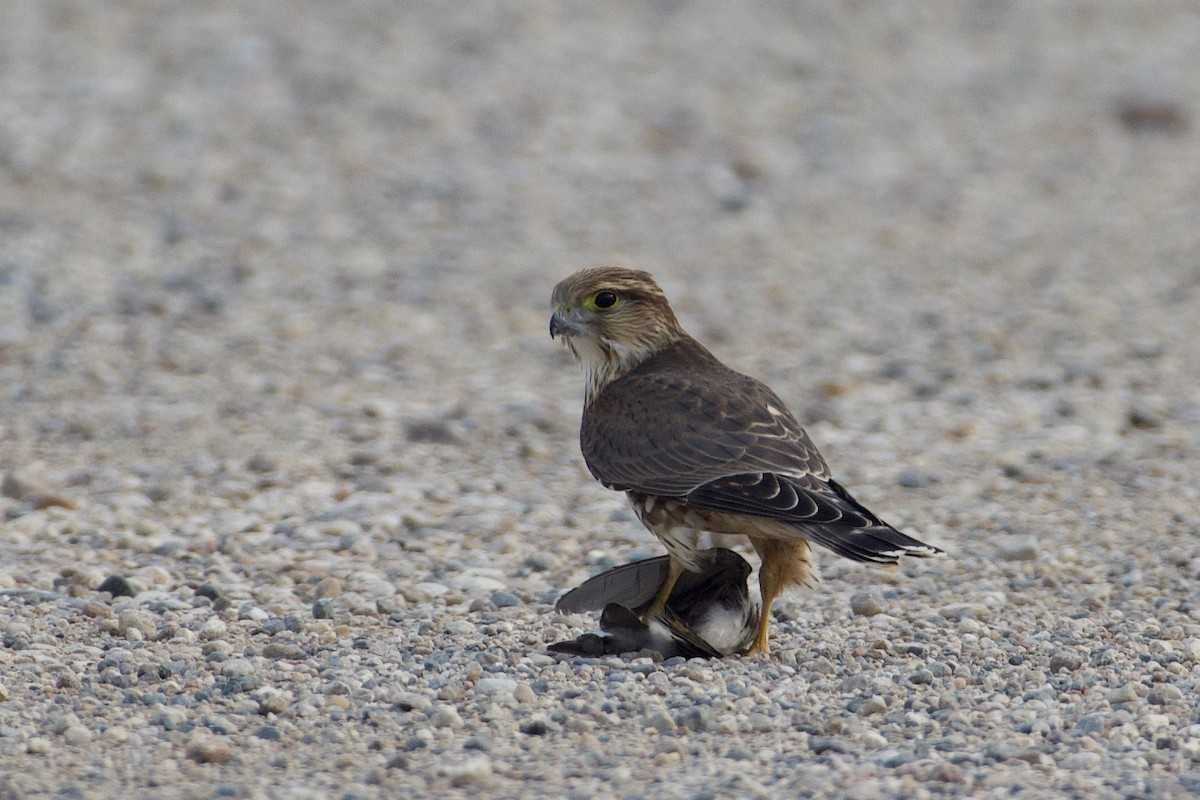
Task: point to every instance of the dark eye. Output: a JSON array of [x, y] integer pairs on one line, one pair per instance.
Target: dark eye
[[604, 300]]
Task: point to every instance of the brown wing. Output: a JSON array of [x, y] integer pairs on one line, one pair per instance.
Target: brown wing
[[684, 425], [683, 419]]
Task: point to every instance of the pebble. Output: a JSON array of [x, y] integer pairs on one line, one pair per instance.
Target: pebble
[[284, 650], [495, 686], [873, 705], [428, 590], [410, 701], [866, 604], [117, 586], [1065, 660], [444, 716], [696, 719], [469, 771], [1126, 693], [660, 720], [137, 623], [505, 600], [538, 726], [208, 751], [213, 628], [328, 588], [1084, 761], [274, 703], [76, 735], [1019, 547]]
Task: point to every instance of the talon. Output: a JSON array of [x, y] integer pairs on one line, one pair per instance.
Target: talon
[[760, 646]]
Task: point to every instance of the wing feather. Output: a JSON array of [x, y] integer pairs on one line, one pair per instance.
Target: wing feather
[[684, 425], [683, 419]]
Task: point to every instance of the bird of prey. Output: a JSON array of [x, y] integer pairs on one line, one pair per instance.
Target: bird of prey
[[708, 615], [699, 447]]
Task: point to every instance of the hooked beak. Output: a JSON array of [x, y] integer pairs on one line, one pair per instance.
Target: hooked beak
[[562, 324]]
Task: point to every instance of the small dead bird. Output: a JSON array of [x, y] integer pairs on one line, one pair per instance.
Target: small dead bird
[[709, 614]]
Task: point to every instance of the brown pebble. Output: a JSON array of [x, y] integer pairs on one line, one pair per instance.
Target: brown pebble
[[328, 587], [97, 610], [284, 650], [206, 751], [946, 773], [43, 500]]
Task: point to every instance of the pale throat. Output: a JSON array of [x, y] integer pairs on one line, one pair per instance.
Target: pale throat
[[603, 361]]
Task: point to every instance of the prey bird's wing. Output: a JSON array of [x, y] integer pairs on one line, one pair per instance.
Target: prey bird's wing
[[634, 585], [630, 585]]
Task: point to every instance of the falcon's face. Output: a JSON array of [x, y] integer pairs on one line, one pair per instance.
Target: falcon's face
[[611, 319]]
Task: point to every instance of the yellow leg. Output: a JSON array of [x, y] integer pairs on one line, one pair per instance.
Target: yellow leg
[[784, 563], [760, 640], [770, 590], [674, 570]]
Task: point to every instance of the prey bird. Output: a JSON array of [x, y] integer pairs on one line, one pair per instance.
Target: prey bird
[[708, 615], [699, 447]]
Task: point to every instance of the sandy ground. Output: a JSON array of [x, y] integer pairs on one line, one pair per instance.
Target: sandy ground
[[274, 286]]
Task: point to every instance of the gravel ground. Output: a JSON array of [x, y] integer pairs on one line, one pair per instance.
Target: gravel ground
[[273, 359]]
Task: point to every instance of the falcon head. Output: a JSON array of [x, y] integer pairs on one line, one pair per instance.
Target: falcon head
[[611, 319]]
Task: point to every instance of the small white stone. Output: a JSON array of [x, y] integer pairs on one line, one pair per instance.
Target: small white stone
[[137, 624], [873, 705], [873, 740], [1082, 761], [77, 735], [1191, 649], [446, 717], [213, 628], [471, 770], [495, 686], [428, 590], [1154, 722]]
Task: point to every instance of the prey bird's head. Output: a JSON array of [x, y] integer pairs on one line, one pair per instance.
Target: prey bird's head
[[611, 319]]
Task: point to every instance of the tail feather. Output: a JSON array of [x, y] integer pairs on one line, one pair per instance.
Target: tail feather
[[879, 544]]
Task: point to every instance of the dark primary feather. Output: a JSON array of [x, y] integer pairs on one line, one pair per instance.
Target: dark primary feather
[[830, 515]]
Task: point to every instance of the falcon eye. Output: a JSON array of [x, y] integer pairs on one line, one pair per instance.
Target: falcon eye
[[604, 300]]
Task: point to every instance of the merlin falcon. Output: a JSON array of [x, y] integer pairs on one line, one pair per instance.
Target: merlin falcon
[[699, 447]]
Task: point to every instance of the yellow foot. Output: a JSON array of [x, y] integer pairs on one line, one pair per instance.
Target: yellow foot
[[760, 646], [659, 605]]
